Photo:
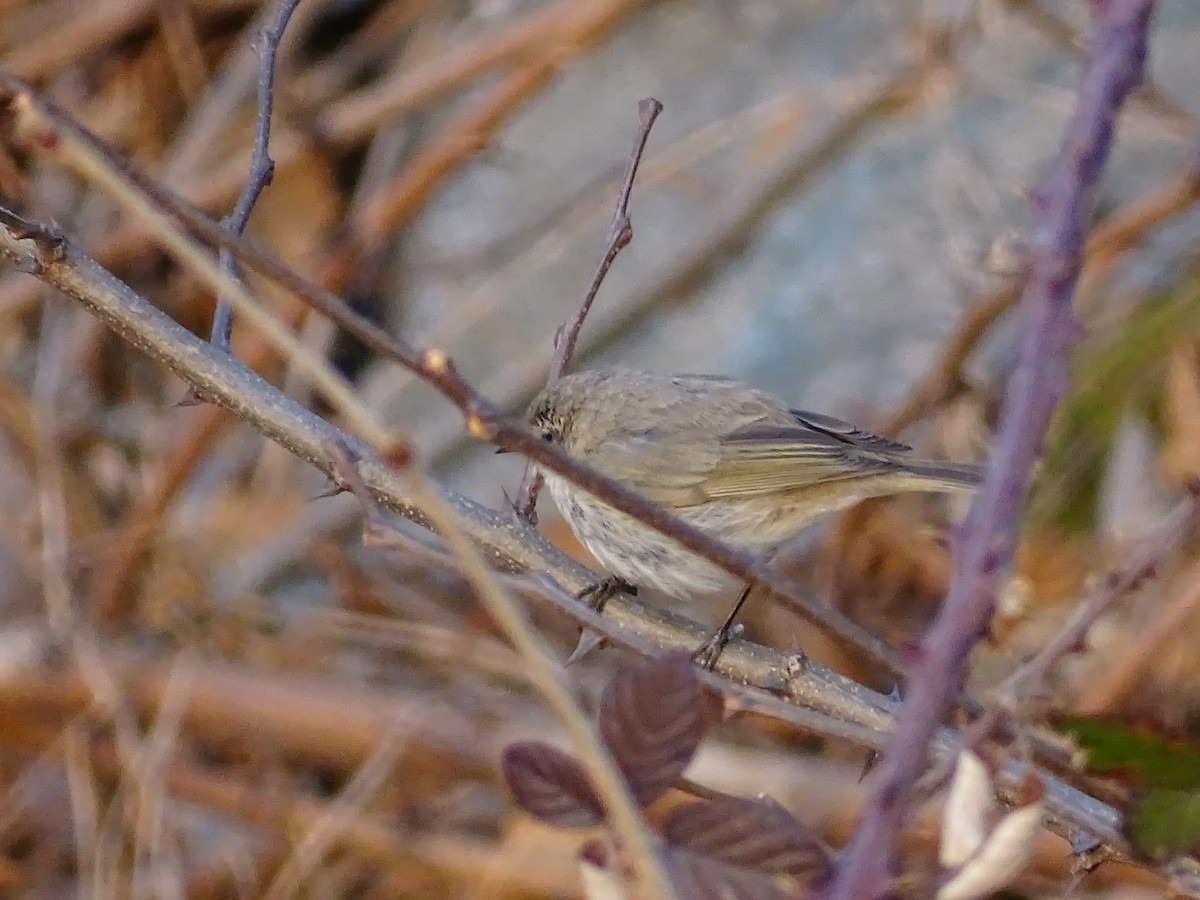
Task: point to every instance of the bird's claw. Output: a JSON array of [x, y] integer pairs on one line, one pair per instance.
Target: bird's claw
[[597, 594], [707, 654]]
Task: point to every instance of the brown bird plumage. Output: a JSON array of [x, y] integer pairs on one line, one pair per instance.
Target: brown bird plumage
[[730, 459]]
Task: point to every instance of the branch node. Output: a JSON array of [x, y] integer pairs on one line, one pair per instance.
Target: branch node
[[434, 361], [478, 428]]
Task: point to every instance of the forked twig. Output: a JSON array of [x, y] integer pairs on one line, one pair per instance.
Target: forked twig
[[620, 233], [262, 167]]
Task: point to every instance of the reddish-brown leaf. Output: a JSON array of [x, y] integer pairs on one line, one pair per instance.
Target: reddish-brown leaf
[[652, 720], [551, 785], [752, 834]]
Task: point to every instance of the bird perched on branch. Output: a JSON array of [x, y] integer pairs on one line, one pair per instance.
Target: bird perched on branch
[[732, 460]]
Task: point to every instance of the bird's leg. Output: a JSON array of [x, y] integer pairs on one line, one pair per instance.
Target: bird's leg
[[709, 652], [597, 594]]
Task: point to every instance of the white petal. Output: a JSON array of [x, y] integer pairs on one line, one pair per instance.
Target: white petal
[[967, 805], [599, 884], [1001, 859]]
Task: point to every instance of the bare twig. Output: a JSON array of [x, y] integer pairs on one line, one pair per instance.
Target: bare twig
[[1144, 562], [1114, 67], [54, 130], [1117, 234], [620, 233], [262, 167], [1121, 674], [52, 366], [345, 809]]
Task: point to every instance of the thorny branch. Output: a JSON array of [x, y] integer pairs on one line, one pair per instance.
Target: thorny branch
[[1114, 67], [262, 167], [620, 233]]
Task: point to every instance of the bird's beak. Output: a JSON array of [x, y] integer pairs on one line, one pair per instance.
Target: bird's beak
[[503, 450]]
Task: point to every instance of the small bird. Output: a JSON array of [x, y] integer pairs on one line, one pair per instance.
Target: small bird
[[730, 459]]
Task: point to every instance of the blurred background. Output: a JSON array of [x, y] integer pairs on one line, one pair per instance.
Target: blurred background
[[833, 205]]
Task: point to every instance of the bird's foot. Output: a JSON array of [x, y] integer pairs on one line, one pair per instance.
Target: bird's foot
[[598, 594], [710, 651]]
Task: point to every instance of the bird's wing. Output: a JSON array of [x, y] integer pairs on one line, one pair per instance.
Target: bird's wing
[[668, 467], [844, 431], [763, 458]]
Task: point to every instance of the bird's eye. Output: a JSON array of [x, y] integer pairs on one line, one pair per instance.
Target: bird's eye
[[547, 437]]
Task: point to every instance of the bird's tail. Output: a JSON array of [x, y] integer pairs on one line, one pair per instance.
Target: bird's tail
[[935, 475]]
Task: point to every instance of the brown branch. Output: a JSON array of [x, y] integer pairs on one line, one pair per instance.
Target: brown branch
[[620, 233], [1115, 236], [1144, 562], [469, 133], [1121, 675]]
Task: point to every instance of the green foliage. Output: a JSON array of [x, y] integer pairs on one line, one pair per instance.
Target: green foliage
[[1113, 374], [1165, 823], [1164, 773]]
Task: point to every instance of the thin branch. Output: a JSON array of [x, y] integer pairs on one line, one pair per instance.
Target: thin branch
[[55, 132], [1144, 562], [1114, 67], [620, 233], [262, 167], [1117, 234], [1124, 672]]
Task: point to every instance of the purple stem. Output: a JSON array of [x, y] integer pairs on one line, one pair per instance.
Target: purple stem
[[1114, 67]]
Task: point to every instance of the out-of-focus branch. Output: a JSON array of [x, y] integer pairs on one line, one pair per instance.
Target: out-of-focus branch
[[43, 123], [1117, 234], [1115, 64]]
